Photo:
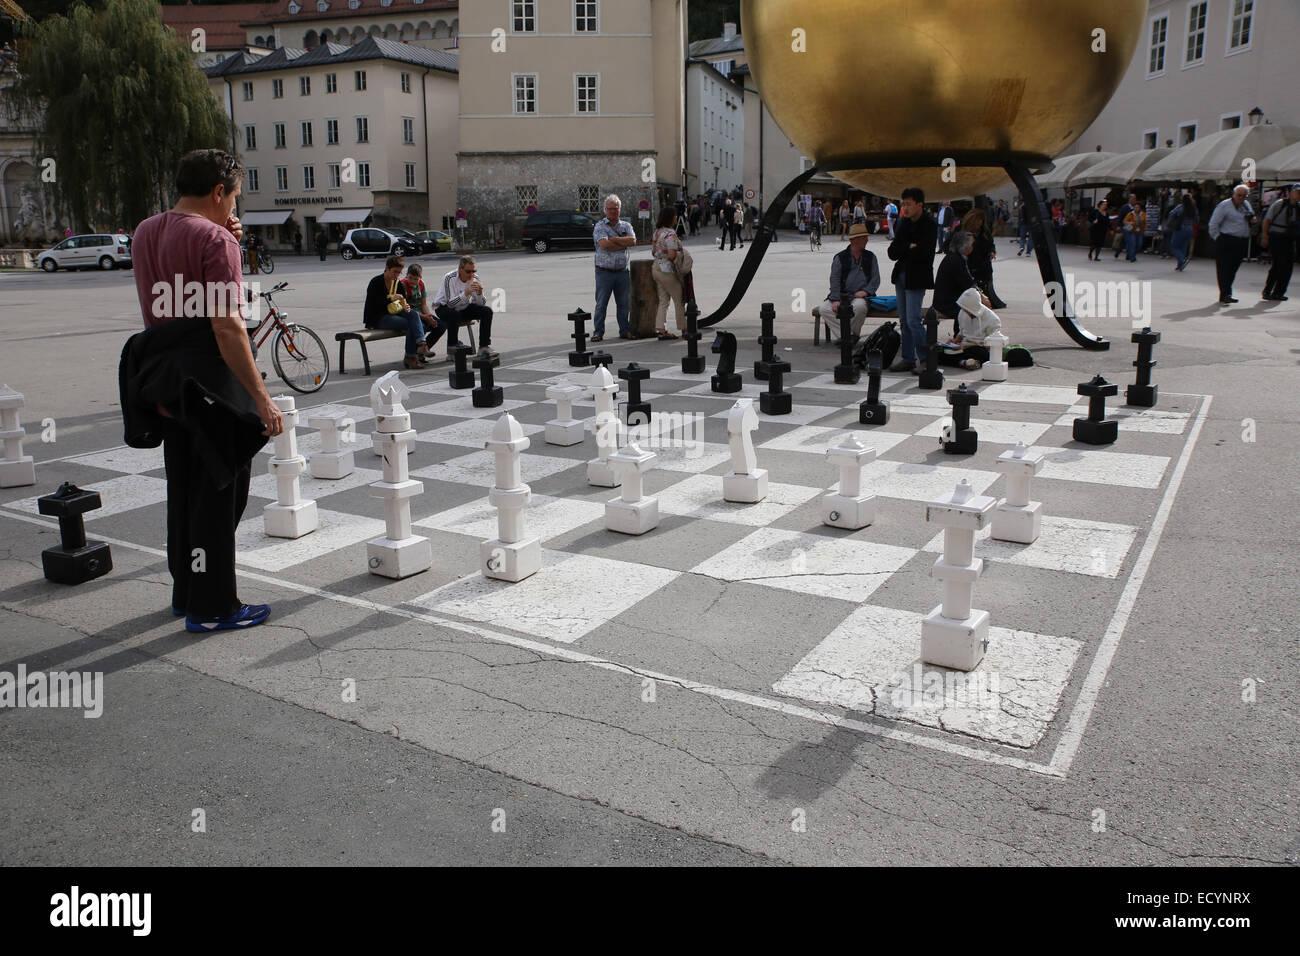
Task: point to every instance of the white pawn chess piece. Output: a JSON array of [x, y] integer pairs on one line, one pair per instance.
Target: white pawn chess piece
[[995, 370], [603, 389], [399, 553], [1017, 518], [954, 634], [746, 482], [849, 507], [292, 516], [633, 512], [564, 429], [333, 461], [16, 469], [509, 556]]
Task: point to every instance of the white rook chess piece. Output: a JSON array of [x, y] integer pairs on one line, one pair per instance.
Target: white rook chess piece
[[332, 461], [849, 507], [509, 557], [292, 516], [564, 429], [633, 512], [746, 482], [1017, 518], [603, 389], [399, 553], [995, 370], [16, 469], [953, 634]]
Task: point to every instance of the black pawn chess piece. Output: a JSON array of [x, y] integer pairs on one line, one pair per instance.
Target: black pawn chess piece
[[76, 560], [461, 376], [846, 373], [488, 394], [1096, 429], [963, 440], [873, 411], [776, 400], [693, 362], [725, 379], [931, 377], [601, 357], [638, 412], [767, 340], [579, 357], [1142, 393]]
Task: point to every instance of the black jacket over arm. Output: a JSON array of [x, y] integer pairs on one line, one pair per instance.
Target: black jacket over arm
[[918, 262], [376, 302], [177, 365], [953, 279]]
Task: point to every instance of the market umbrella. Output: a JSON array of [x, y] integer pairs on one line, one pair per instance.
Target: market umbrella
[[1282, 165], [1220, 155], [1067, 167], [1121, 169]]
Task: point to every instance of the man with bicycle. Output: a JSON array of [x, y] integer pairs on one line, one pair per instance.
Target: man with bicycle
[[816, 219]]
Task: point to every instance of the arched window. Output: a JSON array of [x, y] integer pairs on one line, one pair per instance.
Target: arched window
[[424, 31], [310, 40]]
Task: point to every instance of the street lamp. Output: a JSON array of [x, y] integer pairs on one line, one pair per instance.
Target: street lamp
[[1255, 116]]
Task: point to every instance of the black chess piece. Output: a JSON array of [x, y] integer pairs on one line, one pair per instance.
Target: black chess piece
[[963, 440], [873, 411], [638, 412], [601, 357], [488, 394], [76, 560], [579, 357], [931, 376], [1142, 393], [767, 340], [726, 378], [692, 362], [776, 400], [846, 373], [1096, 429], [461, 376]]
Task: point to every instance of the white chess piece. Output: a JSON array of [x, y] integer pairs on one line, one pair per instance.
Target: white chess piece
[[849, 507], [953, 634], [603, 389], [564, 429], [1017, 518], [509, 556], [16, 469], [746, 482], [333, 461], [291, 516], [633, 512], [387, 400], [399, 553], [995, 370]]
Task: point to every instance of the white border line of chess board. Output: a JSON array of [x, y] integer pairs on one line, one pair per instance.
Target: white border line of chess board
[[1067, 746]]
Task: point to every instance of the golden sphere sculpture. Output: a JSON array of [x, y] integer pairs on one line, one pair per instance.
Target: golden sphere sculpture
[[855, 83]]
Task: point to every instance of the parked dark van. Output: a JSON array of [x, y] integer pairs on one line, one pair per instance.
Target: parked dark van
[[547, 229]]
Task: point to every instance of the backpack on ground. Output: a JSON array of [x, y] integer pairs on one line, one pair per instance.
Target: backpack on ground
[[1017, 356], [885, 339]]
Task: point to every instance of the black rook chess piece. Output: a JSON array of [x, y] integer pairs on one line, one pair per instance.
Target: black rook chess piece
[[776, 401], [692, 361], [873, 411], [579, 357], [725, 378], [767, 341], [931, 377], [638, 412], [488, 394], [461, 376], [76, 560], [1096, 429], [963, 440], [601, 357], [846, 373], [1142, 393]]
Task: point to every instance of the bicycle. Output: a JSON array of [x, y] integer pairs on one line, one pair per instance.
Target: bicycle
[[264, 262], [298, 353], [814, 237]]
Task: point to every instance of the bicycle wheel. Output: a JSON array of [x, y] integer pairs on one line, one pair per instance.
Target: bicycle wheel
[[267, 263], [300, 358]]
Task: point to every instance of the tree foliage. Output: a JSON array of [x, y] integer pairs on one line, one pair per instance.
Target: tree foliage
[[706, 17], [122, 101]]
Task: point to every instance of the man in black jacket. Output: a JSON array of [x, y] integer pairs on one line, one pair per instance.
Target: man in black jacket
[[912, 250]]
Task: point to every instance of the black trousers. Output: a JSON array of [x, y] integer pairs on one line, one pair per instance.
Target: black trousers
[[450, 321], [1230, 250], [203, 518], [1279, 274]]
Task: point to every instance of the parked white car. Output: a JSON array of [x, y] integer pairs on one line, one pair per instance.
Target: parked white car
[[97, 251]]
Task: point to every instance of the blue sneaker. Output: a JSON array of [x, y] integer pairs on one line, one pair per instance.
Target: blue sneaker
[[248, 615]]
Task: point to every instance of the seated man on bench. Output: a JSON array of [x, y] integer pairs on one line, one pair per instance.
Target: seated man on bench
[[855, 277], [387, 308], [460, 301]]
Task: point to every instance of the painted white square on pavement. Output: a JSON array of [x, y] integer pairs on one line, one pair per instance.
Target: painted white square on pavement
[[1150, 420], [130, 461], [479, 468], [1104, 467], [120, 494], [1034, 394], [700, 496], [336, 531], [263, 486], [471, 432], [815, 439], [544, 518], [1066, 544], [994, 431]]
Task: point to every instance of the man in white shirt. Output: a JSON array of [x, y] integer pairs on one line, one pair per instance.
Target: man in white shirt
[[460, 300], [1230, 229]]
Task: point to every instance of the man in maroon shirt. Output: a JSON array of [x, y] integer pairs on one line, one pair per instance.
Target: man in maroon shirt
[[195, 246]]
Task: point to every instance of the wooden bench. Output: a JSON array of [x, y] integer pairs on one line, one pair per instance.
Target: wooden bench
[[362, 336], [818, 321]]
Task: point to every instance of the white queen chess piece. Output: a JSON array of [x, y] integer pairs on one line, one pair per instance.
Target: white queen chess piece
[[509, 556], [291, 516], [564, 429], [953, 634], [1017, 518], [849, 507], [16, 469], [399, 553], [603, 389], [995, 370], [333, 461], [746, 482], [633, 512]]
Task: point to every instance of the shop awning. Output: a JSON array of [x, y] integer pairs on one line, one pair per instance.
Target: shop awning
[[1068, 166], [344, 215], [266, 217], [1220, 155]]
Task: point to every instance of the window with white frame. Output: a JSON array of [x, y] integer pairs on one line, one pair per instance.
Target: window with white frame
[[281, 179], [332, 172], [331, 132], [1230, 121], [410, 175], [1195, 49], [363, 129], [331, 82], [1186, 134], [304, 86], [250, 137], [359, 80], [586, 88], [363, 175], [309, 177], [248, 90], [589, 200], [306, 133], [251, 180], [1151, 139], [408, 129], [526, 196], [1159, 43], [279, 136], [586, 16], [525, 93], [1240, 15], [406, 82], [523, 16], [277, 89]]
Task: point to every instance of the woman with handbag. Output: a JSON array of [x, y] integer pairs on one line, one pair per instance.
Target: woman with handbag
[[667, 251]]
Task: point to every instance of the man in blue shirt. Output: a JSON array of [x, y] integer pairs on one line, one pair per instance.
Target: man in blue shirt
[[613, 238]]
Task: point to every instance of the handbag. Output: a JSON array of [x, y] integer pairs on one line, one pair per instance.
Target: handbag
[[683, 264]]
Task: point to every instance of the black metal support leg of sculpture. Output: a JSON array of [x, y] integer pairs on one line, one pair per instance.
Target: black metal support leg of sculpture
[[1049, 261]]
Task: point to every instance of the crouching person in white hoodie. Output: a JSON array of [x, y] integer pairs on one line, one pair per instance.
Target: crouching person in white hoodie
[[975, 321]]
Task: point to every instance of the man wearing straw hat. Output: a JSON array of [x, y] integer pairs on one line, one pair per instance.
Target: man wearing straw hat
[[855, 277]]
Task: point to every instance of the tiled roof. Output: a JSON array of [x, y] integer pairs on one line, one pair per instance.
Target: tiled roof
[[221, 21], [371, 48], [279, 12]]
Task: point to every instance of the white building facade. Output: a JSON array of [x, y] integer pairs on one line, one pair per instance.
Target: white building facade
[[715, 130]]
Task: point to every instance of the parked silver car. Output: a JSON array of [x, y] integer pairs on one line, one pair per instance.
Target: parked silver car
[[96, 251]]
